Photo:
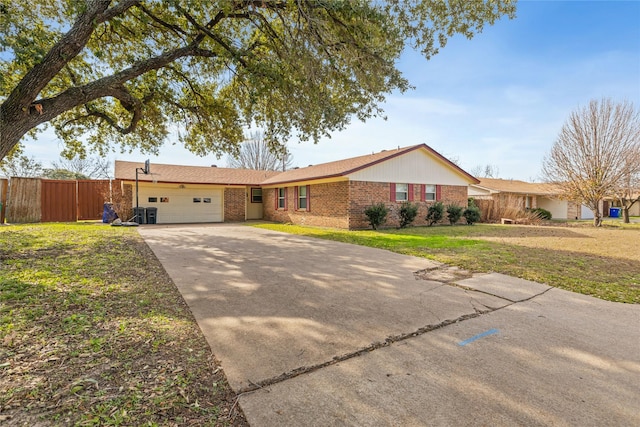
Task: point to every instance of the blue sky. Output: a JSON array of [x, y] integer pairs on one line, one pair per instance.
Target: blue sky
[[499, 99]]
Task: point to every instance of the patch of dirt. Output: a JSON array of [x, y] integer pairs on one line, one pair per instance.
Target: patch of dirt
[[443, 273]]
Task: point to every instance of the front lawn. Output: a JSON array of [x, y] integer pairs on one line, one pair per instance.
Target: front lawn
[[94, 332], [602, 262]]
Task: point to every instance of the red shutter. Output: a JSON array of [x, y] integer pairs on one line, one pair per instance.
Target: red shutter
[[438, 192], [423, 190], [295, 196], [308, 198], [393, 191], [410, 195], [277, 194]]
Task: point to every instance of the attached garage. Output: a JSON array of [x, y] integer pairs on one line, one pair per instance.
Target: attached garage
[[195, 194], [183, 203], [557, 207]]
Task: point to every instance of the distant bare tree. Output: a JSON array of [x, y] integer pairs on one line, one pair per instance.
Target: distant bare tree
[[255, 153], [628, 193], [83, 167], [596, 152], [22, 166], [486, 171]]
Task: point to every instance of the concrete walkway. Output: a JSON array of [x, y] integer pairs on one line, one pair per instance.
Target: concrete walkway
[[315, 332]]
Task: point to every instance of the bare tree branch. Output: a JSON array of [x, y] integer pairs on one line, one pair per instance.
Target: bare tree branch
[[256, 154]]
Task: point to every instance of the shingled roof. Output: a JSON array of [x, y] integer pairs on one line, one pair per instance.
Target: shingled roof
[[353, 164], [192, 174], [228, 176], [515, 186]]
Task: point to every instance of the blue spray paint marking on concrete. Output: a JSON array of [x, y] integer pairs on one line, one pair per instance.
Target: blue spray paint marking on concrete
[[477, 337]]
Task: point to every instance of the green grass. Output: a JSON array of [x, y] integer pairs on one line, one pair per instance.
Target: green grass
[[552, 255], [93, 332]]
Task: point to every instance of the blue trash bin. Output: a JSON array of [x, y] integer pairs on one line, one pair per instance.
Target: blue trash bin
[[614, 212], [108, 214]]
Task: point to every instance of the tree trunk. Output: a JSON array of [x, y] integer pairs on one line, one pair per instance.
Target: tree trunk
[[597, 218], [625, 215]]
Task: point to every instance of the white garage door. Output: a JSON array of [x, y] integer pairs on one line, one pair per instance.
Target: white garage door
[[558, 208], [586, 213], [178, 206]]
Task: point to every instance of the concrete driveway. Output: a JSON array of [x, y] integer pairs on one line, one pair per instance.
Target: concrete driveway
[[320, 333]]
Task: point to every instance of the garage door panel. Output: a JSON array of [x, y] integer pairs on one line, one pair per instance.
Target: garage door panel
[[184, 205]]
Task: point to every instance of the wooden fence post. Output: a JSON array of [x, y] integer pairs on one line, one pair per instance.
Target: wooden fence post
[[4, 189]]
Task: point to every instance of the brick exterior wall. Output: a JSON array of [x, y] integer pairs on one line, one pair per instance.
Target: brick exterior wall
[[364, 194], [574, 210], [327, 202], [342, 204], [234, 204]]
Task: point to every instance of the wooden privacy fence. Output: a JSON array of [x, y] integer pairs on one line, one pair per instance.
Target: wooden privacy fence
[[46, 200]]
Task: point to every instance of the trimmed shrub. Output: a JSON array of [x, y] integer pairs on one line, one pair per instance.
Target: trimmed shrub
[[377, 215], [454, 213], [472, 214], [435, 213], [542, 213], [407, 213]]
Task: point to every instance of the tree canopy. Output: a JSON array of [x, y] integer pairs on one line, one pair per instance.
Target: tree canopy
[[109, 73], [596, 154]]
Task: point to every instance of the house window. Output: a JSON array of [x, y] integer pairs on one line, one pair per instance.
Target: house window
[[196, 200], [282, 198], [402, 192], [206, 200], [429, 192], [153, 200], [164, 200], [302, 197], [256, 195]]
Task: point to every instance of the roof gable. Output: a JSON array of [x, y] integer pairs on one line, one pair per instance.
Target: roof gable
[[341, 168]]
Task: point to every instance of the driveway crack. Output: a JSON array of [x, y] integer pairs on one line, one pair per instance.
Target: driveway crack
[[253, 386]]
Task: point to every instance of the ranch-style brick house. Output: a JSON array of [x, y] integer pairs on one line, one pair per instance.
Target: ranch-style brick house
[[333, 194], [530, 195]]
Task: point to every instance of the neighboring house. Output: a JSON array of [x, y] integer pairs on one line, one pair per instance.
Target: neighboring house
[[634, 210], [332, 194], [530, 196]]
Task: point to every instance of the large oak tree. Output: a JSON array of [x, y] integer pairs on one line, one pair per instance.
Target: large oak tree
[[124, 73]]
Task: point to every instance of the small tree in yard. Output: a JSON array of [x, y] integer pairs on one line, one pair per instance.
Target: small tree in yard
[[407, 213], [377, 215], [435, 213], [454, 213], [472, 214], [596, 153]]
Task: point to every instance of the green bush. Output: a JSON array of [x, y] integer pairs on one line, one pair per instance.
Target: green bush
[[377, 215], [472, 214], [542, 213], [407, 213], [435, 213], [454, 213]]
